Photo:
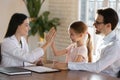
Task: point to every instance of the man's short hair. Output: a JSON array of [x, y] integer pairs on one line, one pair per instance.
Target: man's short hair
[[109, 16]]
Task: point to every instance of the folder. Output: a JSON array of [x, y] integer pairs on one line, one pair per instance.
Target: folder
[[41, 69]]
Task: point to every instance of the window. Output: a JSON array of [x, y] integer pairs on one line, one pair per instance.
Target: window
[[88, 8]]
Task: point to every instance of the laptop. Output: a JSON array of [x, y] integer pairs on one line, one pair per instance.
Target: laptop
[[14, 70]]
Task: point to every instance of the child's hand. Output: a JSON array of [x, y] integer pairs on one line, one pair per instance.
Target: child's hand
[[52, 44]]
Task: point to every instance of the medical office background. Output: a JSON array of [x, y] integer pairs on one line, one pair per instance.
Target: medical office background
[[68, 11]]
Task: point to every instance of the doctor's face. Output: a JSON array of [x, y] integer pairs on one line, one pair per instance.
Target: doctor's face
[[24, 28]]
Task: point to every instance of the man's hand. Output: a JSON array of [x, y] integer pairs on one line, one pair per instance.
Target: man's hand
[[60, 65]]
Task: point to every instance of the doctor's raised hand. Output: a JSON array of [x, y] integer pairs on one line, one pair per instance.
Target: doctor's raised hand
[[49, 38], [14, 48]]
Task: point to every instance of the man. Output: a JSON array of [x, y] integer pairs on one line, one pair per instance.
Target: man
[[109, 62]]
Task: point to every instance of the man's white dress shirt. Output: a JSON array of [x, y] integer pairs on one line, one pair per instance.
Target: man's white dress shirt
[[109, 62]]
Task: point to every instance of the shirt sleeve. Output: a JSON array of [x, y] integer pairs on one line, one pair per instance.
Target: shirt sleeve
[[109, 56]]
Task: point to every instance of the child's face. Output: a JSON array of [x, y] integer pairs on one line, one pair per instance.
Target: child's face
[[74, 36]]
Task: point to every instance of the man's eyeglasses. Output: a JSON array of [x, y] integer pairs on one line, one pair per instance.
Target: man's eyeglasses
[[96, 22]]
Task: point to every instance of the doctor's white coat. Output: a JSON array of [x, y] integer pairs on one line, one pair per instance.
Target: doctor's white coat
[[15, 54]]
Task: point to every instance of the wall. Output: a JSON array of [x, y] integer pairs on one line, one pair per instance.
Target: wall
[[67, 11], [7, 8]]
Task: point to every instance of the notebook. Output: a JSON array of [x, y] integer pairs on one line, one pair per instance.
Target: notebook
[[41, 69], [14, 70]]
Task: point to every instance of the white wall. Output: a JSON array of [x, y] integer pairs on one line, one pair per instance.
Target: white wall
[[7, 8]]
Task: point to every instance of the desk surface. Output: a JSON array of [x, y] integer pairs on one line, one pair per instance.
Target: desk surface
[[62, 75]]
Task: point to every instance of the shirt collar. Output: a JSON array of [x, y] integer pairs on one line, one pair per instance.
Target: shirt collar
[[110, 37], [13, 37]]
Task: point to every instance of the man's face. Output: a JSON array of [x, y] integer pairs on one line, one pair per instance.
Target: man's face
[[99, 25]]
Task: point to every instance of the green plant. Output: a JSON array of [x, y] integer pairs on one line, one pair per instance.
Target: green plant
[[39, 23]]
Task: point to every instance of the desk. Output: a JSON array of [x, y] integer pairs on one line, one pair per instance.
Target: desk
[[62, 75]]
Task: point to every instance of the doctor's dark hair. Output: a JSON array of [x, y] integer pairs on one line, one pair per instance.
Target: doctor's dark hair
[[81, 27], [109, 16], [16, 20]]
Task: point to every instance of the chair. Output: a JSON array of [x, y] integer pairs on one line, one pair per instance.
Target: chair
[[118, 75]]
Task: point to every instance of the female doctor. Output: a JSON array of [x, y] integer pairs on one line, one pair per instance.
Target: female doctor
[[14, 47]]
